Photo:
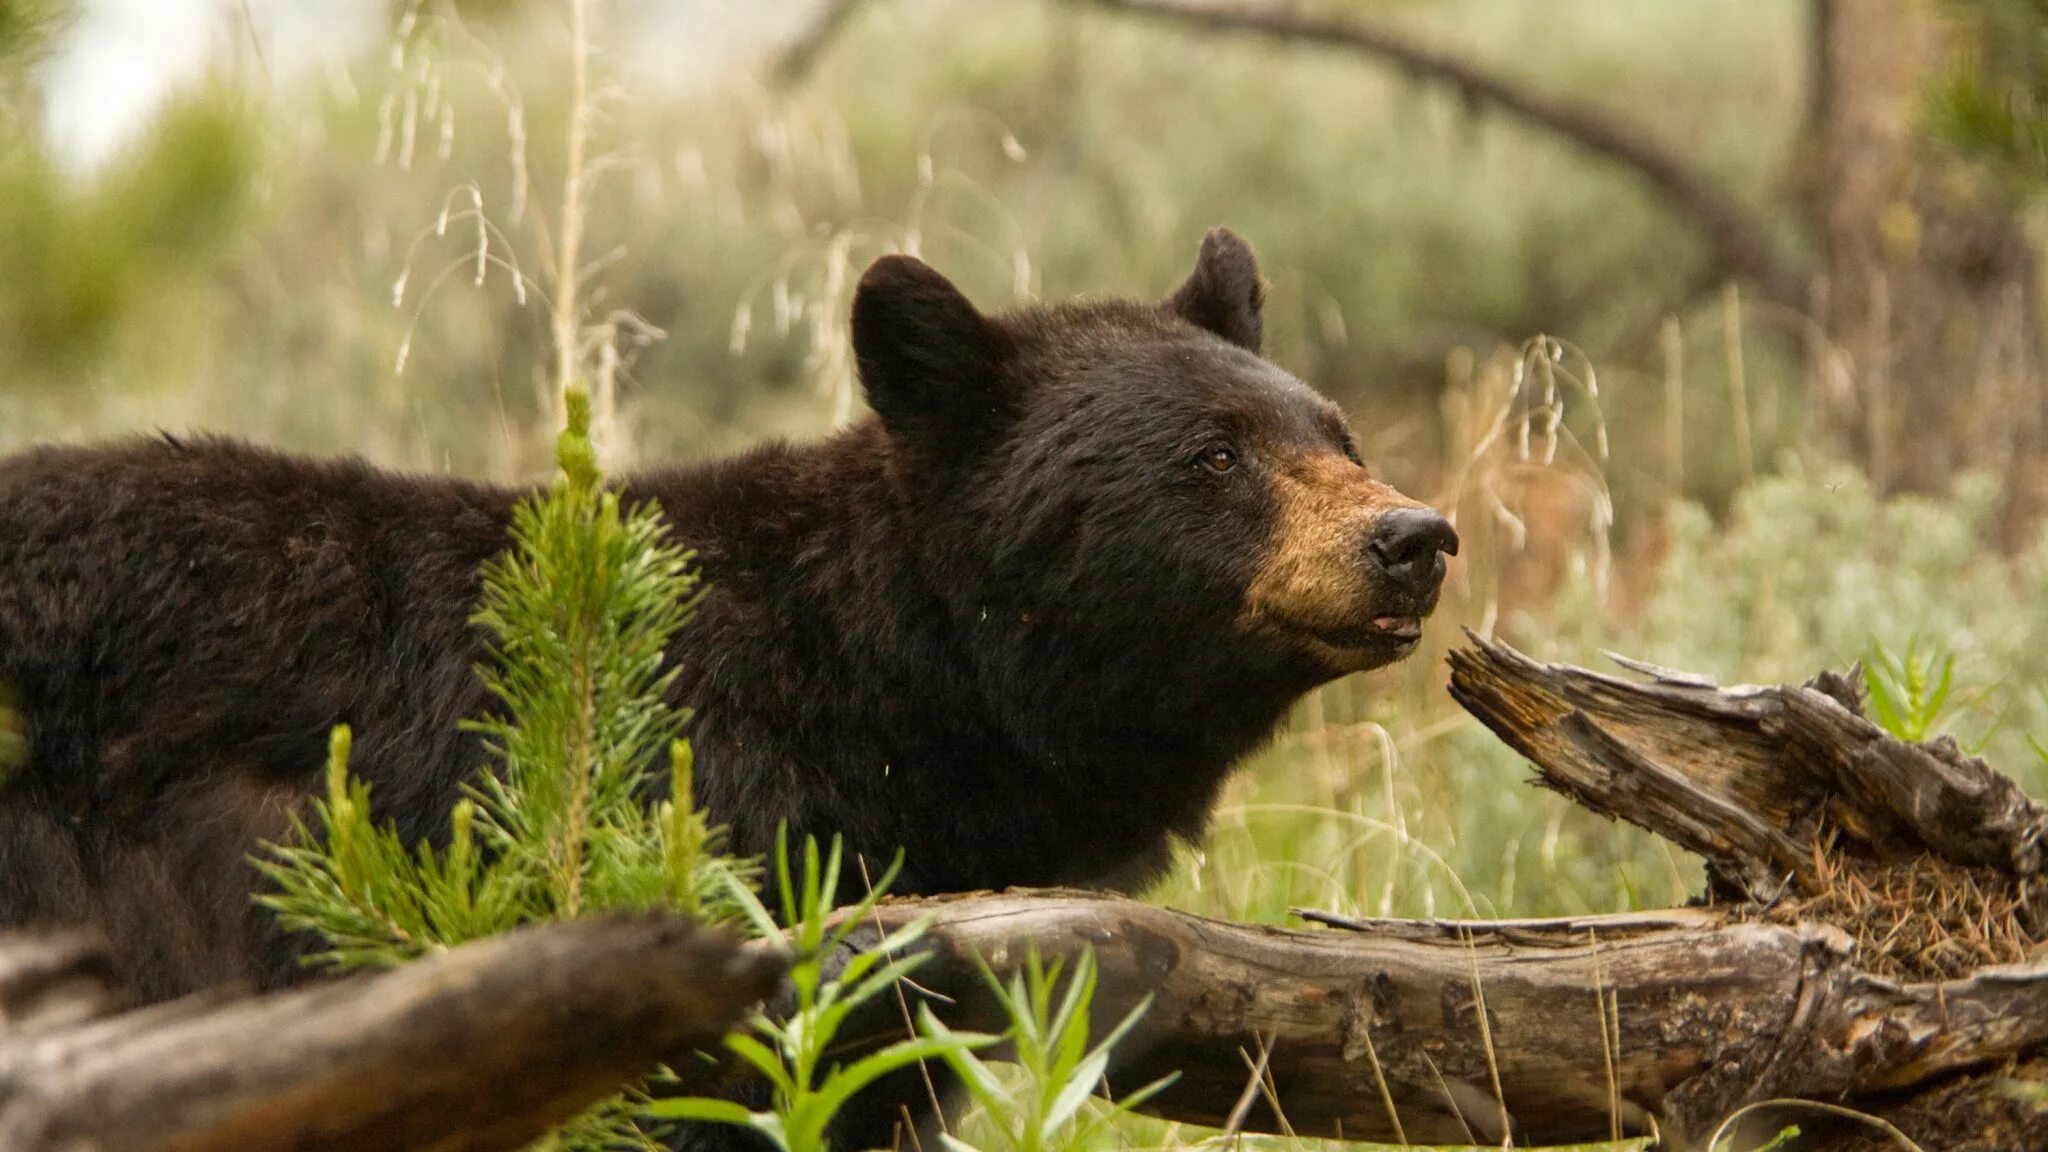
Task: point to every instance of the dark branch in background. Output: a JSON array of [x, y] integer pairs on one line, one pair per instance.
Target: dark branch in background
[[797, 59], [1739, 237]]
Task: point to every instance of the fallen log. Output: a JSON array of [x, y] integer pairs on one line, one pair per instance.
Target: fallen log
[[1549, 1031], [1872, 938], [483, 1047]]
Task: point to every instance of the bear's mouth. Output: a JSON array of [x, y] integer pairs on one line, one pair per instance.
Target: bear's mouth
[[1381, 632], [1400, 629]]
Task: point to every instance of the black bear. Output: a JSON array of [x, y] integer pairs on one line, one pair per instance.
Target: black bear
[[1018, 623]]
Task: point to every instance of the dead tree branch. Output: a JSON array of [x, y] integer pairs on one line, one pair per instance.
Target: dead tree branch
[[484, 1047], [1739, 237], [1596, 1026], [1753, 779], [799, 56]]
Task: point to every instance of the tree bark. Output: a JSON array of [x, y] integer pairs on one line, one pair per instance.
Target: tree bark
[[1464, 1032], [484, 1047], [1766, 783]]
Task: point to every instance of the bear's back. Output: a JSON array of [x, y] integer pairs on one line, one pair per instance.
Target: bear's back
[[166, 587], [181, 624]]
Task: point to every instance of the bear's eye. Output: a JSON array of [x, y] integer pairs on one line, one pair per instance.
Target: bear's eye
[[1351, 452], [1219, 457]]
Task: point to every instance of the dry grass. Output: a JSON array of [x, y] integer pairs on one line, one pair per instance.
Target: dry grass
[[1922, 918]]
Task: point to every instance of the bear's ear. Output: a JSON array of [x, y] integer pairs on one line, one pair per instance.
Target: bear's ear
[[926, 356], [1224, 294]]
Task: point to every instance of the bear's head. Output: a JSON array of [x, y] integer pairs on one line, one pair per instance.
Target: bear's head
[[1129, 511]]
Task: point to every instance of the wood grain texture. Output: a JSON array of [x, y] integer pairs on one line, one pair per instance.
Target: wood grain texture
[[1343, 1014], [483, 1047], [1594, 1026], [1746, 776]]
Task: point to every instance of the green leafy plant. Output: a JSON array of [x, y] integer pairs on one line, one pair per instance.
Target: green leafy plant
[[581, 611], [1039, 1108], [1909, 695], [792, 1053]]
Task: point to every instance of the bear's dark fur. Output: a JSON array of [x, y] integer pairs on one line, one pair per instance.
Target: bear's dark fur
[[1020, 623]]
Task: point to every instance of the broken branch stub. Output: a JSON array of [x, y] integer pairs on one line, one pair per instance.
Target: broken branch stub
[[1754, 779]]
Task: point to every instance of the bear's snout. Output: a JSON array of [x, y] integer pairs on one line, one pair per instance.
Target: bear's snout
[[1408, 546], [1351, 568]]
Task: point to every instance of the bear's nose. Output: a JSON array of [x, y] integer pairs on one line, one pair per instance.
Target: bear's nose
[[1406, 542]]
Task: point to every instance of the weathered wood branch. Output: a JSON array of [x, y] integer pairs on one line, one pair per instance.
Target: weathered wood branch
[[1593, 1027], [1740, 237], [1754, 779], [484, 1047]]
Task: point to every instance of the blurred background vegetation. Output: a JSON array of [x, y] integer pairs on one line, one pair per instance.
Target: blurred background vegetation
[[1716, 325]]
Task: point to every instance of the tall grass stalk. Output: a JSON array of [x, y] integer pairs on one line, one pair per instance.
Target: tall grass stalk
[[566, 266]]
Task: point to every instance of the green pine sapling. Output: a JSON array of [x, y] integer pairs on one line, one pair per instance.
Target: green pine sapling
[[580, 613]]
